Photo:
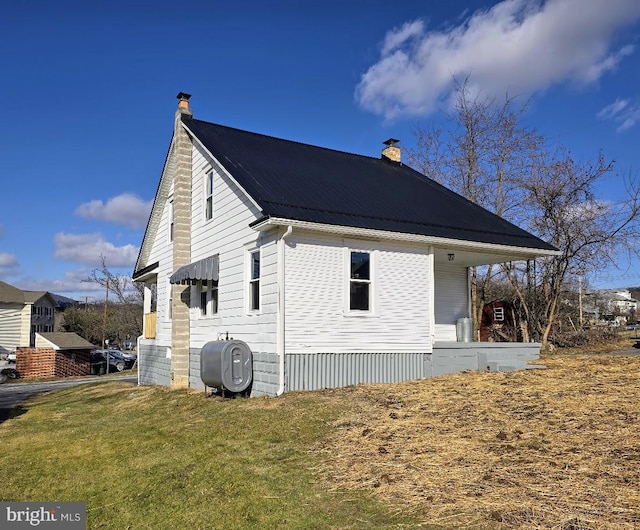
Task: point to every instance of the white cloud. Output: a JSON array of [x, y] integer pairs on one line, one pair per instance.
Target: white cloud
[[614, 109], [88, 249], [73, 284], [125, 209], [7, 260], [8, 265], [519, 46], [623, 112]]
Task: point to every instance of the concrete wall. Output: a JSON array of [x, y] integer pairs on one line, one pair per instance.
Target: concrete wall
[[154, 367]]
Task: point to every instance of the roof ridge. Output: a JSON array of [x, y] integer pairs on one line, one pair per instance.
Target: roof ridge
[[187, 119]]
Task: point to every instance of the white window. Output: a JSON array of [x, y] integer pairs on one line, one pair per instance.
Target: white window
[[208, 196], [208, 298], [254, 280], [359, 281], [498, 314]]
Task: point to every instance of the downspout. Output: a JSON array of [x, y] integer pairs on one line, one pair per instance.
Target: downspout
[[280, 347], [432, 297]]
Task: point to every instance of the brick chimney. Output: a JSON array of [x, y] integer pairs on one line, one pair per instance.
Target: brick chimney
[[391, 152], [183, 104], [182, 167]]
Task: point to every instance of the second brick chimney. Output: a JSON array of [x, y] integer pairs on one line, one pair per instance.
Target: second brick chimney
[[392, 152]]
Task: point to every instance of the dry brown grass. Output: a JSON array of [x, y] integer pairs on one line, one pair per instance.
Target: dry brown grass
[[555, 448]]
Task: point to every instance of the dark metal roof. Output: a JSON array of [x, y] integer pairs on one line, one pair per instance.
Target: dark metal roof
[[302, 182], [205, 269]]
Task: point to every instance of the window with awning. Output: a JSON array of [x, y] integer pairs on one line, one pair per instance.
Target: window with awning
[[203, 270]]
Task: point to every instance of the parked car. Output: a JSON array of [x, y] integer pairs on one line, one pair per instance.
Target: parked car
[[129, 359], [99, 360], [11, 357], [7, 373]]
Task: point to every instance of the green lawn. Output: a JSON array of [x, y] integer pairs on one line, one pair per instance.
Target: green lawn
[[149, 457]]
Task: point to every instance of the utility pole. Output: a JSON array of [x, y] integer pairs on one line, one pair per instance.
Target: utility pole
[[104, 325], [104, 320], [580, 300]]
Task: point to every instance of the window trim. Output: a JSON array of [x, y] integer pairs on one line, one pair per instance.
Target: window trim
[[371, 282], [250, 281], [208, 195]]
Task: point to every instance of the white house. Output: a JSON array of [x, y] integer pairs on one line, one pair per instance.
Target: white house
[[22, 315], [333, 268]]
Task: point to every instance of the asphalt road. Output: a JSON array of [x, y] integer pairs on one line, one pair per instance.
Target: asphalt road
[[13, 394]]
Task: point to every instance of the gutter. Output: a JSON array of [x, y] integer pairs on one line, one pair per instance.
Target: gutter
[[280, 346], [266, 223]]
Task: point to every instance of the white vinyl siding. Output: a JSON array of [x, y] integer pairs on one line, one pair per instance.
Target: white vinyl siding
[[162, 252], [11, 318], [451, 299], [228, 234], [317, 297]]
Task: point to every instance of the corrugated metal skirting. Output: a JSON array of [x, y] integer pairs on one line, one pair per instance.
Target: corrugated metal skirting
[[314, 371]]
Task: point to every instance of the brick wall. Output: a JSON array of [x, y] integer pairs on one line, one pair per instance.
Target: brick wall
[[47, 362]]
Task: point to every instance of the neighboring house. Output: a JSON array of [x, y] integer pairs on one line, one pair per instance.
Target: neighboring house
[[22, 315], [56, 354], [333, 268], [612, 306], [623, 302]]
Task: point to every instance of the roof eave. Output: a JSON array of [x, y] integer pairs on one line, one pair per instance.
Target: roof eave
[[267, 223], [146, 272]]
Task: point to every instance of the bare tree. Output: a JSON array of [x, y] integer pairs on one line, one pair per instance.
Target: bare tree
[[590, 233], [123, 320], [484, 154], [121, 287], [489, 155]]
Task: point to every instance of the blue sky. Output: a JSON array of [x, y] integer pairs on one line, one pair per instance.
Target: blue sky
[[88, 98]]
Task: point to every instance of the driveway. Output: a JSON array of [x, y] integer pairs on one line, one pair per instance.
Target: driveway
[[12, 394]]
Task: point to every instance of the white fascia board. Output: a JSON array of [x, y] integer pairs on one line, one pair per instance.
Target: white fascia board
[[156, 210], [368, 233], [229, 175], [147, 275]]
